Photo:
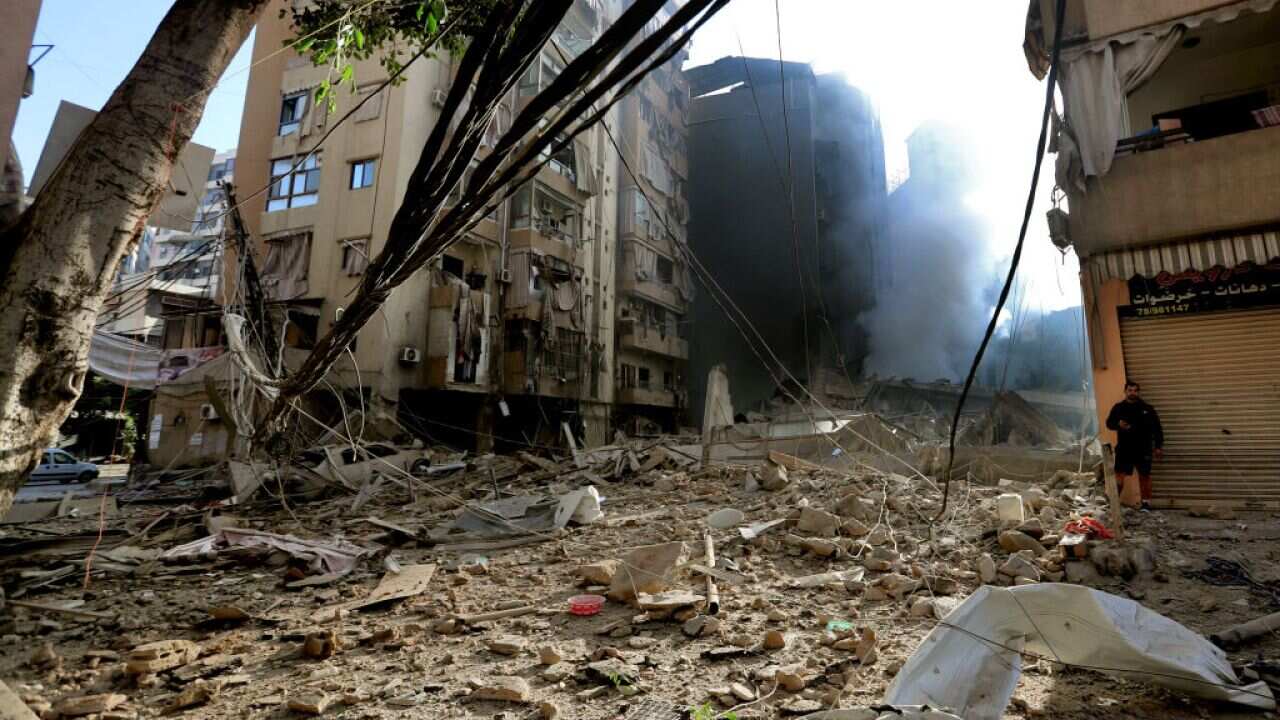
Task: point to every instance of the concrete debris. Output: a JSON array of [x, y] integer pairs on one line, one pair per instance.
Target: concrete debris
[[337, 557], [160, 656], [1015, 541], [89, 704], [818, 522], [310, 702], [773, 477], [645, 570], [503, 688], [825, 584]]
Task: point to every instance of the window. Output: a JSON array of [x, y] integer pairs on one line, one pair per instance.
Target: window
[[452, 265], [644, 378], [291, 112], [563, 161], [521, 207], [540, 75], [217, 171], [294, 188], [549, 213], [355, 256], [564, 358], [628, 375], [666, 270], [362, 173]]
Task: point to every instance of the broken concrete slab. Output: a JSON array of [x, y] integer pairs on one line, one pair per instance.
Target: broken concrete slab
[[645, 569]]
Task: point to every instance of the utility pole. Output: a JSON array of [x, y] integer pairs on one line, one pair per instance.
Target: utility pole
[[255, 298]]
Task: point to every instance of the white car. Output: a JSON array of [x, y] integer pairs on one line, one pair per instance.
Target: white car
[[62, 466]]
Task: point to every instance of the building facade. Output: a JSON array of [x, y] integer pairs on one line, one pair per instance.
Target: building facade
[[511, 334], [1170, 157], [787, 206]]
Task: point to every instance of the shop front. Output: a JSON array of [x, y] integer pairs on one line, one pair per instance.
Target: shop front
[[1197, 324]]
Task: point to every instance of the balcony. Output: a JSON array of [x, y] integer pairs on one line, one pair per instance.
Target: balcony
[[647, 338], [549, 242], [648, 396], [654, 290], [1179, 191]]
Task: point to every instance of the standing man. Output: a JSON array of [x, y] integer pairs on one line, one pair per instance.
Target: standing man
[[1139, 438]]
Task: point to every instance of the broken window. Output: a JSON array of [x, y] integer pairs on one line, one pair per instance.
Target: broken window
[[666, 270], [643, 383], [291, 112], [362, 173], [564, 358], [304, 328], [355, 256], [452, 265], [292, 187], [563, 161], [284, 271], [635, 213], [628, 375]]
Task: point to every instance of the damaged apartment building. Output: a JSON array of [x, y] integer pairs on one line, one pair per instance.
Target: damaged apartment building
[[797, 257], [562, 311], [1168, 155]]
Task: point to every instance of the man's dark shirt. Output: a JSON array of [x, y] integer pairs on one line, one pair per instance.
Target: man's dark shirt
[[1144, 434]]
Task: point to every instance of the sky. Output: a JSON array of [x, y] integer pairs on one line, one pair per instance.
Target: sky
[[96, 42], [919, 60]]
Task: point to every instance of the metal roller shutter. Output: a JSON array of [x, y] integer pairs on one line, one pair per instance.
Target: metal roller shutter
[[1214, 379]]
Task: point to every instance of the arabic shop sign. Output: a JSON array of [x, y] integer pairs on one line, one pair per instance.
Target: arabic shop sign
[[1217, 288]]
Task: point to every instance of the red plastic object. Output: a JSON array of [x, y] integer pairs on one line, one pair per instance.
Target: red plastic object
[[586, 604]]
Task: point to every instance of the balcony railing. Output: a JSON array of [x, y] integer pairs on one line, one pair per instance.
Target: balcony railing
[[1181, 191]]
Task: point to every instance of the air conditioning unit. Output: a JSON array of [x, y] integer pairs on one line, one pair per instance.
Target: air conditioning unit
[[438, 97], [410, 355], [505, 276], [208, 412]]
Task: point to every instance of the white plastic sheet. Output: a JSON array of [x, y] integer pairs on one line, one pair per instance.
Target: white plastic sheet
[[962, 666]]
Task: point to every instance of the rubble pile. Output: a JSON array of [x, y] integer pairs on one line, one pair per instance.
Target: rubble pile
[[616, 576]]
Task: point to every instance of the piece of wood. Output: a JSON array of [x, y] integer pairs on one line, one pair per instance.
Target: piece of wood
[[391, 527], [1243, 632], [538, 462], [73, 612], [495, 544], [791, 462], [713, 593], [496, 614], [12, 707], [573, 444], [1113, 492], [410, 581]]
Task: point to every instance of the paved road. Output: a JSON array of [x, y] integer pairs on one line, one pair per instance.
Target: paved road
[[54, 490]]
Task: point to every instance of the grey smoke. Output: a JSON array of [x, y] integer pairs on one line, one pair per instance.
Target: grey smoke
[[938, 277]]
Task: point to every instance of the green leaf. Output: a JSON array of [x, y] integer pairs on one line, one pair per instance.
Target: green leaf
[[432, 24], [422, 8], [359, 38], [348, 74], [305, 44]]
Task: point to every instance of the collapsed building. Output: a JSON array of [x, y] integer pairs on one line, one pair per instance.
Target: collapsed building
[[787, 206]]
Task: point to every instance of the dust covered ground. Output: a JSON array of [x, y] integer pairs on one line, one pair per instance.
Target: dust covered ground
[[416, 658]]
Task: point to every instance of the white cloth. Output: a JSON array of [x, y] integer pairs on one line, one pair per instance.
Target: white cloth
[[1096, 83], [970, 662], [124, 361]]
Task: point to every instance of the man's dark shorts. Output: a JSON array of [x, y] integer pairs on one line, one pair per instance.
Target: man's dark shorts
[[1126, 464]]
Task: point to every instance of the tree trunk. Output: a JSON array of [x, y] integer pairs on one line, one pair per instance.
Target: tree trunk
[[59, 259]]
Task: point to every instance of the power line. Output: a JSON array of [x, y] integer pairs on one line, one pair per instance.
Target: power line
[[1017, 250], [791, 193]]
